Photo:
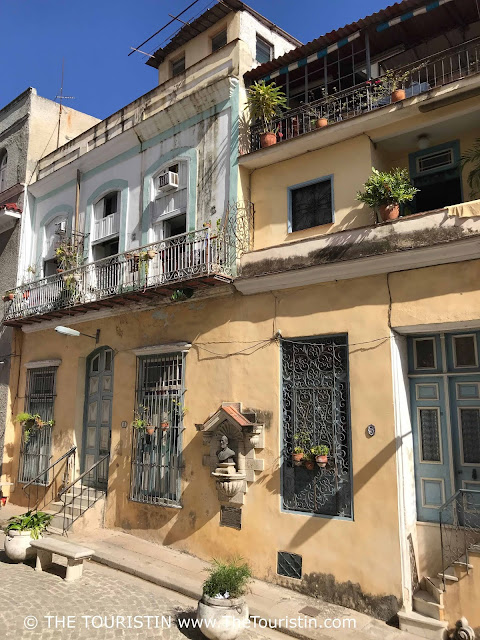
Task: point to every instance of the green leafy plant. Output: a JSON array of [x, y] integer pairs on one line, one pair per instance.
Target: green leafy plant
[[30, 422], [298, 450], [68, 255], [472, 156], [34, 521], [320, 450], [227, 579], [181, 294], [302, 441], [142, 417], [387, 187], [265, 102]]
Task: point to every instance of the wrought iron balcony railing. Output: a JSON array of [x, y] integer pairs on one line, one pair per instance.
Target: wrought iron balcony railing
[[181, 259], [416, 78]]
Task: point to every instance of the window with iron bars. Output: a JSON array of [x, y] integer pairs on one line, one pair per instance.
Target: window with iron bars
[[37, 445], [155, 475], [316, 411]]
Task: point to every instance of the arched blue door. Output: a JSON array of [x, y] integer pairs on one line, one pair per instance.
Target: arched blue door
[[97, 424]]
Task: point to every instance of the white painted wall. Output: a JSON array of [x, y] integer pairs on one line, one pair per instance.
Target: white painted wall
[[250, 27]]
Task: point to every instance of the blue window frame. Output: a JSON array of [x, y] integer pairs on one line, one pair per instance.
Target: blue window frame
[[310, 204]]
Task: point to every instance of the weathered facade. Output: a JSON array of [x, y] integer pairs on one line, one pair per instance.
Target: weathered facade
[[30, 126], [301, 325]]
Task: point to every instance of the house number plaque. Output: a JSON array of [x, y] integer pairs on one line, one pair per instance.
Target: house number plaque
[[230, 517]]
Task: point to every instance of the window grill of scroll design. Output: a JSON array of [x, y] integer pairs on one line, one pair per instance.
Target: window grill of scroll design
[[316, 408], [155, 475], [40, 398]]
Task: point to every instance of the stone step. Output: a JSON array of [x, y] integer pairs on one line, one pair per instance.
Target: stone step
[[425, 603], [58, 520], [450, 575], [84, 491], [434, 586], [72, 509], [420, 625], [84, 500]]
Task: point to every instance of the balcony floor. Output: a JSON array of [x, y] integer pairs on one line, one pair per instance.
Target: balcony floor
[[163, 291]]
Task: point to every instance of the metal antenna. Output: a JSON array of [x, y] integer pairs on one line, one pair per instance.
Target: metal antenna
[[60, 99]]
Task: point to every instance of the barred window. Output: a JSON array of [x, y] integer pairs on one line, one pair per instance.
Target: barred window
[[155, 477], [219, 40], [178, 66], [311, 205], [37, 443], [316, 412]]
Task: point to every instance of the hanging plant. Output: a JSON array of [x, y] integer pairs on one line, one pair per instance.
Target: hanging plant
[[31, 422]]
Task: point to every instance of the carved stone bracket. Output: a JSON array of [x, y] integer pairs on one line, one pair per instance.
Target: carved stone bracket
[[245, 437]]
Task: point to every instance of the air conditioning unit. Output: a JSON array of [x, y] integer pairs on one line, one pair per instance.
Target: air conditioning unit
[[167, 181], [61, 228]]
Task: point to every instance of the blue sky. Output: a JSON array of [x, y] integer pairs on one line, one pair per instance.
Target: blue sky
[[94, 37]]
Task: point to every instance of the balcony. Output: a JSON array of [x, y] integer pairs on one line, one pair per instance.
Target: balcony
[[421, 77], [187, 261], [106, 227]]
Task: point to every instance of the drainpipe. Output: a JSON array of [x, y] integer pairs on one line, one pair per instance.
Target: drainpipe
[[367, 56]]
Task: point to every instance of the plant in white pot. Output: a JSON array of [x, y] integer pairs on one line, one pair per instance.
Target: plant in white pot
[[384, 191], [19, 532], [222, 612]]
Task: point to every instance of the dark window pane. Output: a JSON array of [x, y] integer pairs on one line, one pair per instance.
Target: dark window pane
[[220, 40], [430, 435], [425, 353], [264, 51], [470, 419], [178, 66], [110, 204], [464, 351], [312, 205]]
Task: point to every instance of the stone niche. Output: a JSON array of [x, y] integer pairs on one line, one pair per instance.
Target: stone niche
[[245, 437]]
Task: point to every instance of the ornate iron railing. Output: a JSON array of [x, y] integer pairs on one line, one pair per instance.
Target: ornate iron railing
[[459, 528], [43, 484], [81, 494], [437, 70], [173, 260]]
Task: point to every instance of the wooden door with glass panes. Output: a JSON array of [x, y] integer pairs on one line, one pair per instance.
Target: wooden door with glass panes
[[98, 414], [445, 412]]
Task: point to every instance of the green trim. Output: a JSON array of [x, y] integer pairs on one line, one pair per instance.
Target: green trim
[[111, 185], [51, 215], [179, 153]]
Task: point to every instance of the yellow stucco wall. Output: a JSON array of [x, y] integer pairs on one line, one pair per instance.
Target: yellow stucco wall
[[350, 550], [269, 190]]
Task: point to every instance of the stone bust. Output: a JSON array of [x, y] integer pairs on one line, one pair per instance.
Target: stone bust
[[225, 454]]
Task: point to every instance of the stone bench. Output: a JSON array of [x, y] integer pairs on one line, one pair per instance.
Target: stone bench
[[74, 553]]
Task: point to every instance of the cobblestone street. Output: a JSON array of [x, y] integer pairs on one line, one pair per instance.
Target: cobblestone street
[[36, 606]]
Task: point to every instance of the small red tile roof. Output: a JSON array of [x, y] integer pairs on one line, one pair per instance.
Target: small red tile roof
[[237, 416], [12, 206]]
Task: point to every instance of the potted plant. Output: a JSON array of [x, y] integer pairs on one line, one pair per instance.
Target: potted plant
[[384, 191], [265, 102], [297, 456], [9, 295], [20, 530], [179, 295], [151, 254], [222, 611], [320, 453], [309, 460], [30, 422], [165, 423]]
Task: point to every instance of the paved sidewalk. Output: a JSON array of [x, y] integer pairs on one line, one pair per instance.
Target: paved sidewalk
[[185, 574]]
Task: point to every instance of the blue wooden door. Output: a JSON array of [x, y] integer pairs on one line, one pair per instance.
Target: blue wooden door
[[431, 446]]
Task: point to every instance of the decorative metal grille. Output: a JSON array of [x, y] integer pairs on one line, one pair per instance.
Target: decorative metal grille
[[316, 408], [40, 399], [429, 429], [470, 419], [155, 475], [289, 565], [312, 205]]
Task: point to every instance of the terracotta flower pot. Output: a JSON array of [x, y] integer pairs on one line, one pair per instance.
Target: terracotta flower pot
[[389, 211], [321, 461], [150, 429], [310, 465], [297, 457], [60, 270], [164, 425], [151, 254], [398, 95], [320, 123], [8, 296], [268, 139]]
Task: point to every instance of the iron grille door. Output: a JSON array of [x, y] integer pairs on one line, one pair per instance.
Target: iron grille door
[[36, 449], [316, 408], [155, 477]]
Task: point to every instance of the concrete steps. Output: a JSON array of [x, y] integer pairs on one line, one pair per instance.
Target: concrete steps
[[420, 625], [71, 507], [426, 604]]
